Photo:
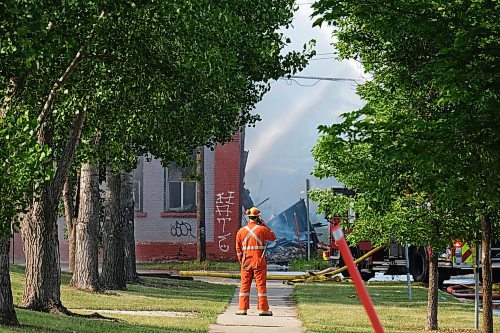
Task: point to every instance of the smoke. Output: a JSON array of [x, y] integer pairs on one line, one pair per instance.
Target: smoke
[[280, 145], [291, 120]]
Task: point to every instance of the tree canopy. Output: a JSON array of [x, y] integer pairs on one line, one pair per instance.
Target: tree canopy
[[423, 152], [431, 120], [150, 76]]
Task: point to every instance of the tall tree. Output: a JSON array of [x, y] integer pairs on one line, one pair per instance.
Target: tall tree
[[49, 65], [22, 164], [435, 62], [190, 87], [189, 70]]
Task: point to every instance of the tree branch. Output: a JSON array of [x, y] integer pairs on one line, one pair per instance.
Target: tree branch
[[47, 108], [66, 158]]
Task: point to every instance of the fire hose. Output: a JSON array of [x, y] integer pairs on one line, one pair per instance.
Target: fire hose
[[467, 291], [324, 275]]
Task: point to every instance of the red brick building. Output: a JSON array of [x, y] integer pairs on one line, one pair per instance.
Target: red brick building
[[165, 220], [165, 210]]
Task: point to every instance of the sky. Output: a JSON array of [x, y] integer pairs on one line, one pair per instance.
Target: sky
[[280, 145]]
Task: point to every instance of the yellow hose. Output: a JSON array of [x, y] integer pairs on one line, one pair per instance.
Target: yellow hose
[[235, 275], [323, 275], [332, 271]]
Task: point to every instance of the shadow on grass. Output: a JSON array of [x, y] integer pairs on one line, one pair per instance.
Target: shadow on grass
[[382, 294], [44, 322], [335, 307], [206, 299], [190, 290], [198, 295]]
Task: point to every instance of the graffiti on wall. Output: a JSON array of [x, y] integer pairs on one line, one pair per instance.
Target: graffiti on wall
[[181, 229], [223, 205]]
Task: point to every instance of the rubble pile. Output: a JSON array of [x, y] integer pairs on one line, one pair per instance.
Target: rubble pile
[[290, 227], [283, 250]]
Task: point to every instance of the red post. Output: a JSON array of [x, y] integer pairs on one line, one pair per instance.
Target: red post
[[297, 230], [338, 234]]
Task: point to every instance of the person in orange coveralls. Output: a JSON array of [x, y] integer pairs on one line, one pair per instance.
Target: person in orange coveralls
[[250, 248]]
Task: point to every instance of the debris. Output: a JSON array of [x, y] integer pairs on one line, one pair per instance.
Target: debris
[[283, 250], [291, 228]]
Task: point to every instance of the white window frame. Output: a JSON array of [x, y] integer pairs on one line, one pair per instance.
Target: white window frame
[[166, 191]]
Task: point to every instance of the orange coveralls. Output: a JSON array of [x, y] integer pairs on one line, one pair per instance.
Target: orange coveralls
[[250, 248]]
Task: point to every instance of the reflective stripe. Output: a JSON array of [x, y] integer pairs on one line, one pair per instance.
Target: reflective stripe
[[244, 294], [262, 295], [253, 247], [251, 233]]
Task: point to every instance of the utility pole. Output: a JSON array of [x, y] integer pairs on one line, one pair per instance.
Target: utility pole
[[308, 222], [201, 252], [475, 260], [408, 279]]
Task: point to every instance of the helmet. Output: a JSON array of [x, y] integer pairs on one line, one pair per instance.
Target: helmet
[[253, 212]]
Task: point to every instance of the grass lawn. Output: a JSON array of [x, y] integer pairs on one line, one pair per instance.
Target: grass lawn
[[335, 307], [308, 265], [202, 301], [191, 265]]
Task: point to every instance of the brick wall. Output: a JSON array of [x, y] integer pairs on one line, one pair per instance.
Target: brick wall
[[161, 236], [162, 251], [169, 236], [227, 189]]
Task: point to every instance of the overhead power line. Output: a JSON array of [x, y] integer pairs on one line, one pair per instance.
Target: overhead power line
[[322, 58], [319, 78], [289, 80]]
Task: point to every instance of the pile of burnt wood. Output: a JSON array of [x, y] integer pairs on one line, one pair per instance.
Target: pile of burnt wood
[[283, 250]]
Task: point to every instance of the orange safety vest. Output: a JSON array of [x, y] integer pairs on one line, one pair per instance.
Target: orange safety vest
[[251, 245]]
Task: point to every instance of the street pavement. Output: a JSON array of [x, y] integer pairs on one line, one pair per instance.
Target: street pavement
[[284, 317]]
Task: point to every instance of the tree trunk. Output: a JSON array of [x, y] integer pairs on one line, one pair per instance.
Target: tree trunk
[[201, 254], [7, 314], [39, 234], [432, 295], [86, 273], [70, 220], [113, 266], [487, 275], [127, 210], [41, 248]]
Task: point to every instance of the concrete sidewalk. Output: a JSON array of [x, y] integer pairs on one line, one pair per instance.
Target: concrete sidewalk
[[284, 317]]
